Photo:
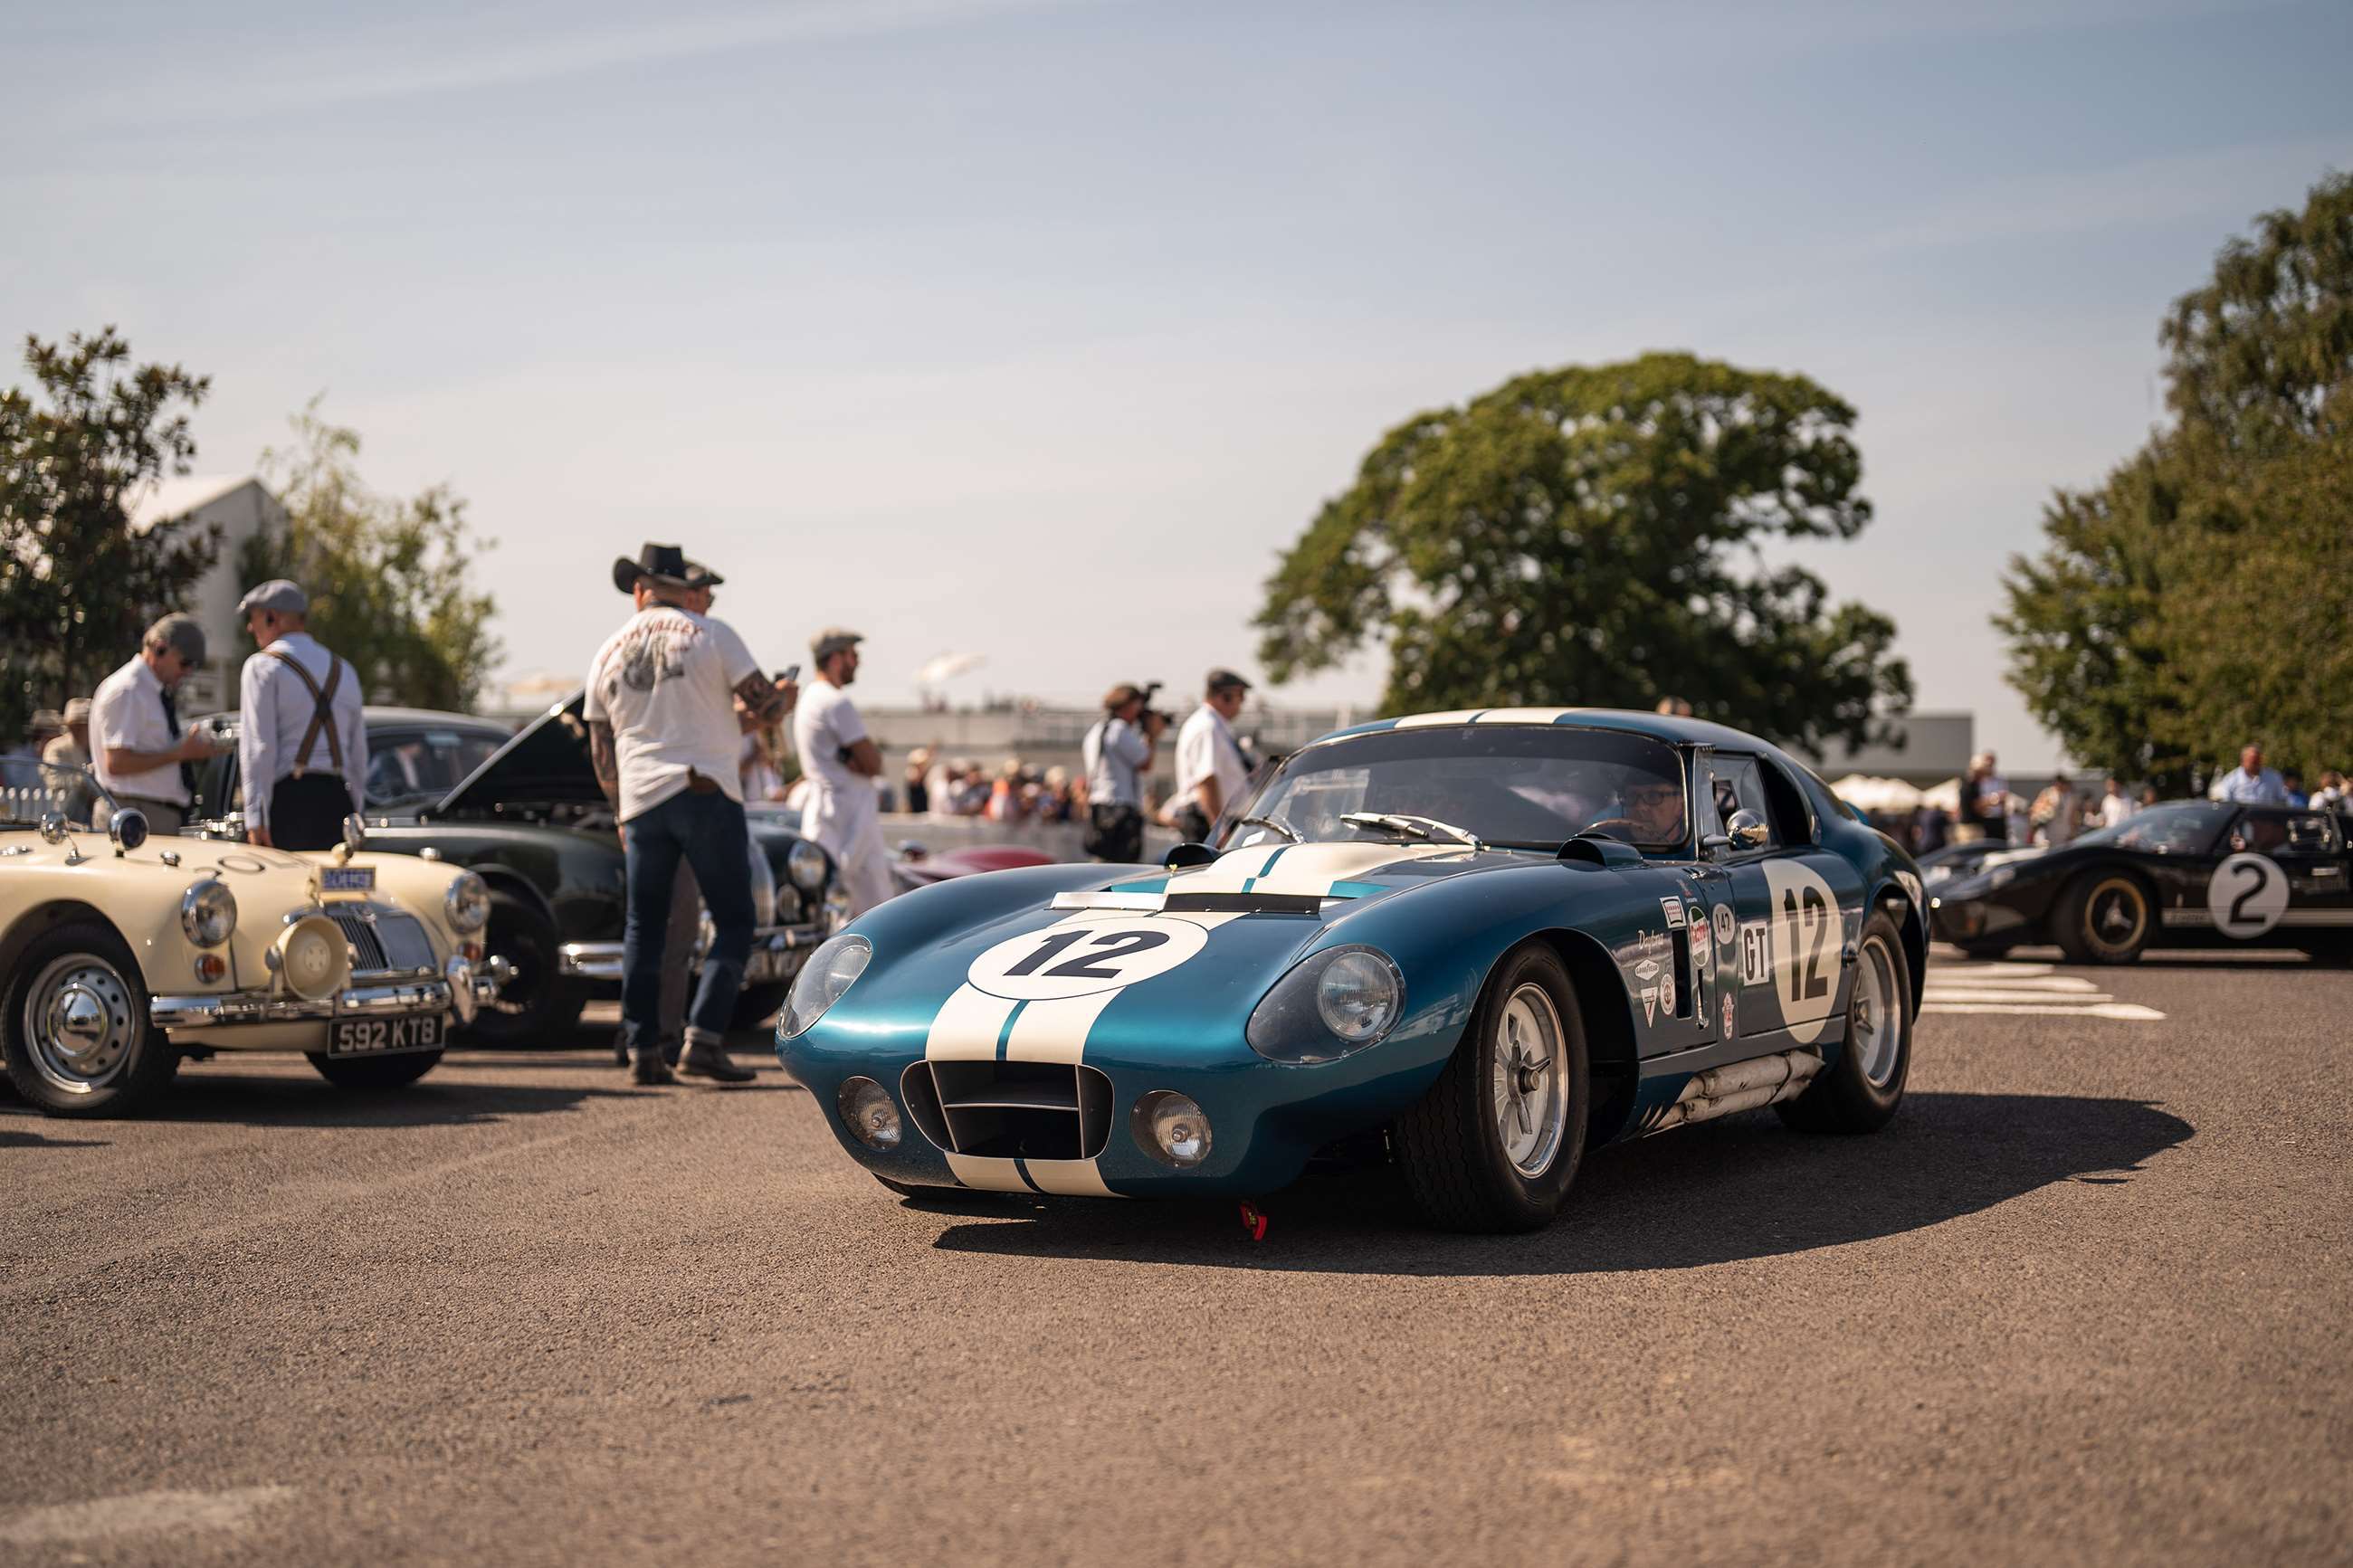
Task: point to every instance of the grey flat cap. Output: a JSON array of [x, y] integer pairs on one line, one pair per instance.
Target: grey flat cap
[[1220, 678], [181, 633], [833, 640], [279, 593]]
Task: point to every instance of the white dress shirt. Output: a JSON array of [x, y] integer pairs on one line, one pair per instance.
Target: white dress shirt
[[277, 709], [127, 714], [1206, 748]]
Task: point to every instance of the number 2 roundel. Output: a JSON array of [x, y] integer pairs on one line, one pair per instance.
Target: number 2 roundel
[[1808, 935], [1080, 957], [2246, 895]]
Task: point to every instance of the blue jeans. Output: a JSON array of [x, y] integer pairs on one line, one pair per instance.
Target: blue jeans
[[707, 832]]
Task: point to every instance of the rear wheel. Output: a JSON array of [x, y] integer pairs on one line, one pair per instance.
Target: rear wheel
[[538, 1006], [1859, 1091], [75, 1029], [2104, 917], [375, 1072], [1496, 1142]]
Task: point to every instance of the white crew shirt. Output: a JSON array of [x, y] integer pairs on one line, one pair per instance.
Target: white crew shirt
[[1206, 748], [1114, 753], [274, 711], [127, 713], [2115, 808], [844, 813], [666, 683]]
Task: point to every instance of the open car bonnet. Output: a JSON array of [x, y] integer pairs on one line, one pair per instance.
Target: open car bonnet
[[546, 763]]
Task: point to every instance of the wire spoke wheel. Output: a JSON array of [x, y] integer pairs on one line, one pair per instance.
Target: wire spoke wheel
[[1531, 1092]]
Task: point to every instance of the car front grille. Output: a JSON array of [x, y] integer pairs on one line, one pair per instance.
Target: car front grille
[[383, 942], [1016, 1110]]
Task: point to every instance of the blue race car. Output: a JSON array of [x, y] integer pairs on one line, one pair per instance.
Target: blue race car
[[1476, 943]]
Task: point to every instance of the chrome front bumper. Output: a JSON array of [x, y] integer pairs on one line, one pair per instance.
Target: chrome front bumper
[[395, 999], [777, 954]]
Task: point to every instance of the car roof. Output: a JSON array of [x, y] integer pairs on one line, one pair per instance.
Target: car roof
[[1676, 731]]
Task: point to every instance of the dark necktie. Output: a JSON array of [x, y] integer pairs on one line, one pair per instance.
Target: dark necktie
[[172, 722]]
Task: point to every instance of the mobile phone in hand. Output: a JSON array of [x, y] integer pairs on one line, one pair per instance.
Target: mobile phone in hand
[[791, 673]]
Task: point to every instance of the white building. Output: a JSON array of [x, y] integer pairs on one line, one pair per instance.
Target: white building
[[241, 507]]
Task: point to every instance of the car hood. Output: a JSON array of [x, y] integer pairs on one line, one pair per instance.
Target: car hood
[[546, 763], [248, 868], [1305, 878]]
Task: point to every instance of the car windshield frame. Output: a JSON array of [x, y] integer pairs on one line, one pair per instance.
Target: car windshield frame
[[80, 782], [1405, 744], [2224, 814]]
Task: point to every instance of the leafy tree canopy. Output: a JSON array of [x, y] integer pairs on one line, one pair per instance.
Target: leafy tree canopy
[[389, 579], [2196, 600], [77, 585], [1594, 536]]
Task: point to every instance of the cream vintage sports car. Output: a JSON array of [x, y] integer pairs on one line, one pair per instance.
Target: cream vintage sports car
[[120, 955]]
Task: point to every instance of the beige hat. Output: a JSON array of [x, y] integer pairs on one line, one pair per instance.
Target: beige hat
[[78, 711]]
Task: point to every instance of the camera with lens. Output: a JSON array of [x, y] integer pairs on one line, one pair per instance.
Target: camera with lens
[[1154, 718]]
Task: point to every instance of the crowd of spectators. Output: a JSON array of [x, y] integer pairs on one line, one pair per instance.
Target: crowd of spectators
[[1012, 792]]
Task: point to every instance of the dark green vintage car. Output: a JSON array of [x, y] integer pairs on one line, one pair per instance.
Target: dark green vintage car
[[524, 811]]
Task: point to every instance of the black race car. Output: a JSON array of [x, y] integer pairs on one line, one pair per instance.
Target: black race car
[[523, 810], [2180, 874]]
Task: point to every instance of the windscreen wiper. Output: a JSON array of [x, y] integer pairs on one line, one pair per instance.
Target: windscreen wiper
[[1411, 827], [1290, 833]]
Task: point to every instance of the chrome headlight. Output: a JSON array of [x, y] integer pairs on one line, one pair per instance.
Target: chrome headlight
[[1332, 1002], [822, 980], [466, 903], [805, 864], [208, 912]]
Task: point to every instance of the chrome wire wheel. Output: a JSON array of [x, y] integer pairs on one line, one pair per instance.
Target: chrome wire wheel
[[2116, 916], [1531, 1089], [1874, 1025], [79, 1023]]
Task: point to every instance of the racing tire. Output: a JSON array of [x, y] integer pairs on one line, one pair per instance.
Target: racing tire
[[112, 1059], [375, 1072], [758, 1002], [2105, 917], [1496, 1142], [538, 1007], [1861, 1091]]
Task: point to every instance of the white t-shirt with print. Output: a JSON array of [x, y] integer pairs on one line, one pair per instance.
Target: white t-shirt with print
[[666, 682]]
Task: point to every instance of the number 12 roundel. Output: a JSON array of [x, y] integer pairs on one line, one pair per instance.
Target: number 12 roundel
[[1808, 937], [1079, 957]]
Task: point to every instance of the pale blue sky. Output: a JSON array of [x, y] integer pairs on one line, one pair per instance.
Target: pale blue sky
[[1036, 328]]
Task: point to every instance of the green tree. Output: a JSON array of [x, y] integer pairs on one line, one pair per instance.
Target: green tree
[[1593, 536], [77, 585], [2197, 598], [389, 579]]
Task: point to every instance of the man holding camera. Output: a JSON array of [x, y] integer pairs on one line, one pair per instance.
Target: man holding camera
[[842, 764], [1117, 754]]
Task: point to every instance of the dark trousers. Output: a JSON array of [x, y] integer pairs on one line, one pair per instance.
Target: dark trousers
[[707, 833], [1118, 836], [308, 813]]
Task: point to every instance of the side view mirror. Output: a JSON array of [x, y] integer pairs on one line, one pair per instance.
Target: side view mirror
[[1184, 857], [128, 830], [53, 827], [1747, 830]]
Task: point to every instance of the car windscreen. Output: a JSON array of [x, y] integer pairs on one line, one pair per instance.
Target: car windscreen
[[411, 767], [2176, 827], [1530, 786]]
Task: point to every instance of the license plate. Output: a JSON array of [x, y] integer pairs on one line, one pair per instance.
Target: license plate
[[382, 1036], [347, 879]]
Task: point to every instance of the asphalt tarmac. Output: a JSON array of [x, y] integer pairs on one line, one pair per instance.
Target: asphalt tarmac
[[2086, 1301]]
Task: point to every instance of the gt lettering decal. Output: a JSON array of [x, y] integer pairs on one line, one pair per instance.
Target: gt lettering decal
[[1756, 954], [1085, 956], [2247, 895]]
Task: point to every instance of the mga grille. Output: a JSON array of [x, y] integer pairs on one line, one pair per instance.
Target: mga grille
[[1012, 1110], [384, 942]]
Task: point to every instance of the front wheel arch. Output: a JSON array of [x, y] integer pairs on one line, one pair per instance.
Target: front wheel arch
[[1613, 1064]]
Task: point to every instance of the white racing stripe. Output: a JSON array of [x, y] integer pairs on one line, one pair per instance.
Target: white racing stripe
[[1524, 715], [1433, 720], [2127, 1012], [2023, 990]]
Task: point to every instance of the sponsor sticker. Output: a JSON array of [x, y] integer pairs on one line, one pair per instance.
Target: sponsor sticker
[[1647, 969], [1727, 1015], [1724, 925], [1672, 909], [1666, 992], [1649, 1003], [1703, 951]]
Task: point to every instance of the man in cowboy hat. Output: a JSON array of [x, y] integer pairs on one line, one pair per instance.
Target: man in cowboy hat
[[663, 733]]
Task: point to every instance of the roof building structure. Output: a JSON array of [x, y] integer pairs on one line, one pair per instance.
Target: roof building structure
[[241, 505]]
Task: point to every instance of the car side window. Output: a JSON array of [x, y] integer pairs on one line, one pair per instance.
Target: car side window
[[1736, 784], [2312, 833], [2260, 831]]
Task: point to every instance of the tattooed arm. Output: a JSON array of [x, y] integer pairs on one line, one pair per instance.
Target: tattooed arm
[[766, 701], [605, 761]]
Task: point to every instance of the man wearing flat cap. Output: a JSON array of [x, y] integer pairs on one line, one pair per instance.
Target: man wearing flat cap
[[1210, 769], [141, 756], [663, 734], [302, 744], [842, 764]]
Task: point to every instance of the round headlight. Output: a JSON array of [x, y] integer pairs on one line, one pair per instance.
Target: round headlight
[[208, 912], [1358, 995], [1171, 1129], [1332, 1002], [837, 908], [805, 864], [313, 957], [867, 1111], [466, 903], [821, 982]]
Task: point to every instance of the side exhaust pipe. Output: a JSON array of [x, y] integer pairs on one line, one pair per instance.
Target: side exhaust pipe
[[1738, 1086]]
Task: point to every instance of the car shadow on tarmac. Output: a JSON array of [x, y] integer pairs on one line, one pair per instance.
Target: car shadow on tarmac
[[1742, 1188], [208, 1095]]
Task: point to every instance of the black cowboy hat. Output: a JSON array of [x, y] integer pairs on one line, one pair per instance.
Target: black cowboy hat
[[663, 563]]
